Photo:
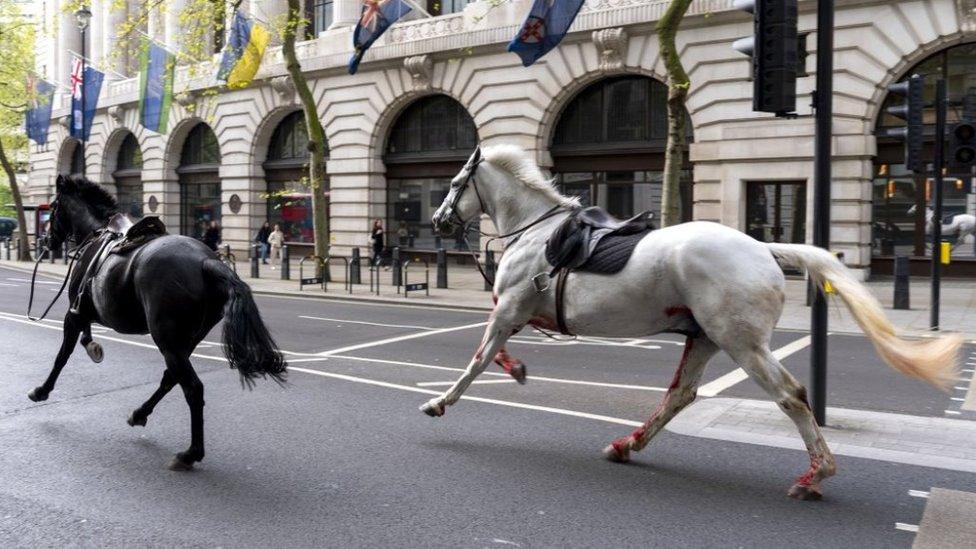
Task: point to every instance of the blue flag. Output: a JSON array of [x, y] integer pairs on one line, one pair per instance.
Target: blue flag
[[82, 117], [377, 16], [544, 28], [39, 115]]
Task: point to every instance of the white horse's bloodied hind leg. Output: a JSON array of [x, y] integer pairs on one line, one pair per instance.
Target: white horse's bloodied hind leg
[[791, 397], [681, 393]]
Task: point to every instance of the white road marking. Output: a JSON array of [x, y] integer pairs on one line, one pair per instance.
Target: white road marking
[[528, 340], [960, 388], [476, 382], [401, 338], [531, 377], [906, 527], [957, 399], [713, 388], [368, 303], [344, 321], [28, 281], [8, 284], [918, 494], [560, 411], [953, 412]]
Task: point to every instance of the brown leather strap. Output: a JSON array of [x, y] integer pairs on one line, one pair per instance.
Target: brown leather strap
[[560, 301]]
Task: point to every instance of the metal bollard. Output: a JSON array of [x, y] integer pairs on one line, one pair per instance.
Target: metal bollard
[[441, 268], [255, 262], [64, 253], [355, 274], [285, 263], [227, 250], [53, 255], [901, 283], [489, 270], [6, 246], [397, 268]]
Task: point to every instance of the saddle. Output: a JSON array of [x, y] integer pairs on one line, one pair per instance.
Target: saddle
[[591, 240]]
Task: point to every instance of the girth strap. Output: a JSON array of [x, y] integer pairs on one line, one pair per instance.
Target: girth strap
[[561, 277]]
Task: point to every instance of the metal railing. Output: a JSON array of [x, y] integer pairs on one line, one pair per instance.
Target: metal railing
[[417, 286], [312, 280], [347, 284]]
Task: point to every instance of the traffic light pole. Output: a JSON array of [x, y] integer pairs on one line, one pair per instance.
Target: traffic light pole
[[938, 165], [823, 104]]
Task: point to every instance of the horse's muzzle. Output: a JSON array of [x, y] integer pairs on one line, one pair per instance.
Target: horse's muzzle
[[444, 227]]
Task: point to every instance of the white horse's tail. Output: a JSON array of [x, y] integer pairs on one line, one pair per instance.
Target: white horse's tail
[[932, 360]]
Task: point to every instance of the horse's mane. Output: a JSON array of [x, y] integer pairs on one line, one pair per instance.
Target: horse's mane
[[517, 162], [102, 204]]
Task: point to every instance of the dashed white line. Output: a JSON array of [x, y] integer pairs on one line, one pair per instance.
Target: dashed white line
[[918, 494], [906, 527], [953, 412]]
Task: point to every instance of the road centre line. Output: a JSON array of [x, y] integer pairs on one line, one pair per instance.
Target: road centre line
[[397, 339], [713, 388], [377, 303], [918, 494], [476, 382], [343, 321]]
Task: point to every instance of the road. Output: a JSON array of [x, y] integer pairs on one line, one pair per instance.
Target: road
[[343, 457]]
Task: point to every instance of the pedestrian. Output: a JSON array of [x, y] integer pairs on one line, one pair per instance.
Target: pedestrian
[[276, 240], [376, 239], [212, 237], [262, 241]]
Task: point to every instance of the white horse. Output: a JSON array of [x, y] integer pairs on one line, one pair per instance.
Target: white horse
[[720, 287], [961, 225]]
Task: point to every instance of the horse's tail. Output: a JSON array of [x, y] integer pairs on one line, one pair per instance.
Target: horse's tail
[[931, 360], [248, 344]]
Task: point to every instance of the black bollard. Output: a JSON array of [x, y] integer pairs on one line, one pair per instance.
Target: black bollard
[[397, 268], [489, 270], [255, 262], [441, 268], [901, 282], [6, 246], [64, 253], [355, 274], [285, 263]]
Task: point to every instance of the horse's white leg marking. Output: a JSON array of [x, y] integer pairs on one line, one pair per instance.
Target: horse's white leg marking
[[791, 397], [681, 393]]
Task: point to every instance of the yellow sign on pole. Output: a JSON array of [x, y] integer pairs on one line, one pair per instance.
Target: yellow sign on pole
[[945, 253]]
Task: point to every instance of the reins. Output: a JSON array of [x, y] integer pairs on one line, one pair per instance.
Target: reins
[[64, 283]]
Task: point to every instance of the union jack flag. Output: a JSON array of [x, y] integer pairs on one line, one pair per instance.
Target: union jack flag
[[375, 18], [77, 78], [372, 12]]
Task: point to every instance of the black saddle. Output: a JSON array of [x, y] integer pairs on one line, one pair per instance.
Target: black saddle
[[592, 240], [947, 219], [144, 230]]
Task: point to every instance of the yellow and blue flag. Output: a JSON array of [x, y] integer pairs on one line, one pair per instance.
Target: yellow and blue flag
[[245, 48], [546, 25], [377, 16]]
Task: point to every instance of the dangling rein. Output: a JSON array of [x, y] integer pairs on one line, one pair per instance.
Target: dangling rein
[[64, 283]]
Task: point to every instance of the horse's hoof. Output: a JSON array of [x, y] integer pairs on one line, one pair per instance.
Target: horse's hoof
[[135, 419], [617, 453], [805, 493], [432, 409], [179, 464], [519, 373], [39, 394], [95, 351]]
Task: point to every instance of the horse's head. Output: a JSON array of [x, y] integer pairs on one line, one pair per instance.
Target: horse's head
[[79, 208], [464, 200]]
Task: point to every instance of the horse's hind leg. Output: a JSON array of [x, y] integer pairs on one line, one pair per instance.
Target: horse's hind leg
[[72, 328], [681, 393], [142, 413], [791, 397], [182, 371]]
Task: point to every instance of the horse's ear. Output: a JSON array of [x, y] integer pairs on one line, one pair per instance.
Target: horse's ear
[[476, 157]]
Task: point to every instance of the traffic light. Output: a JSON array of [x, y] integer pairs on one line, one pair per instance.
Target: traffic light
[[962, 148], [773, 48], [911, 112]]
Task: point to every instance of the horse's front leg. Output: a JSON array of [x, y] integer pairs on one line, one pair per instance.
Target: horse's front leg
[[512, 366], [496, 335], [92, 347], [72, 329]]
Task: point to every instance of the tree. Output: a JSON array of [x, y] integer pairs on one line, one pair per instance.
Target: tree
[[16, 63], [678, 85]]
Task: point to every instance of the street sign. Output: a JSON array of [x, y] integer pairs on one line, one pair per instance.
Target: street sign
[[313, 280], [419, 286]]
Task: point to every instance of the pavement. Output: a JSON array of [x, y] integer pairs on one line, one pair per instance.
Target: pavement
[[342, 457]]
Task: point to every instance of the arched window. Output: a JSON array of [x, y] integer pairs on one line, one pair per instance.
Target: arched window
[[77, 167], [199, 181], [608, 147], [128, 177], [286, 172], [427, 147], [895, 189]]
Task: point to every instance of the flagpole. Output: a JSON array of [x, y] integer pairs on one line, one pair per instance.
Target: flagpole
[[164, 45], [89, 63]]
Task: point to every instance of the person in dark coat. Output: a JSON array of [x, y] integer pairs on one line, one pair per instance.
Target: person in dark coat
[[376, 240], [262, 241], [212, 237]]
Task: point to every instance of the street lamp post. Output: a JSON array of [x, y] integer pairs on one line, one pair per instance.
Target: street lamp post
[[84, 16]]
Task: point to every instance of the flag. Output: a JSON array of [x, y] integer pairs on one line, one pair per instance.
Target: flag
[[156, 72], [544, 28], [243, 53], [41, 100], [377, 16], [82, 115]]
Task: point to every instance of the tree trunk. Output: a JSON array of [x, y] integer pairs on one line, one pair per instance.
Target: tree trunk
[[678, 84], [23, 253], [316, 133]]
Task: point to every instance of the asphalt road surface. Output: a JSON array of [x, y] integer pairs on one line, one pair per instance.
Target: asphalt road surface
[[343, 457]]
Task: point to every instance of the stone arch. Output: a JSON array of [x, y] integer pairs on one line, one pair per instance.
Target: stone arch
[[66, 155], [393, 110], [264, 132], [110, 151], [177, 137]]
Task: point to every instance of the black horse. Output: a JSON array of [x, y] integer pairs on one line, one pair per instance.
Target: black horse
[[172, 287]]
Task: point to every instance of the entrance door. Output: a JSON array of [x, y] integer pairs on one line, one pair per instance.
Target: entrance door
[[776, 211]]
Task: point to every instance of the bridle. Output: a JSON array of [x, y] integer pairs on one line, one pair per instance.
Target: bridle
[[40, 257], [469, 181]]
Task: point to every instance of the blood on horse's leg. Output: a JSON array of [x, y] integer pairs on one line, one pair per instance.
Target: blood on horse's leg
[[681, 393], [513, 366]]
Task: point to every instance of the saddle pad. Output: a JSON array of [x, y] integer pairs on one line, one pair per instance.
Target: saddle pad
[[612, 253]]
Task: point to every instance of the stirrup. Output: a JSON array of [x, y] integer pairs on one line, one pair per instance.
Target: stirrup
[[538, 285]]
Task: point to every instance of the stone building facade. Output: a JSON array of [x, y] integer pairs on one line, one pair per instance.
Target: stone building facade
[[405, 121]]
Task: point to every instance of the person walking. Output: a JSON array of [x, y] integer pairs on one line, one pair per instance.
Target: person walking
[[262, 241], [376, 240], [276, 240], [212, 237]]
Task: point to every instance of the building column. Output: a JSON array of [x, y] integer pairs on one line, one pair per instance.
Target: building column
[[238, 229], [94, 49], [116, 54], [345, 13], [358, 195], [172, 34]]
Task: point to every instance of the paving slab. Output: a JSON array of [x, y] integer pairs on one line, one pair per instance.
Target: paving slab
[[949, 520]]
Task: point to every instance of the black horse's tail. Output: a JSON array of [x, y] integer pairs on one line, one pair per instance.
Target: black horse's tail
[[248, 345]]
